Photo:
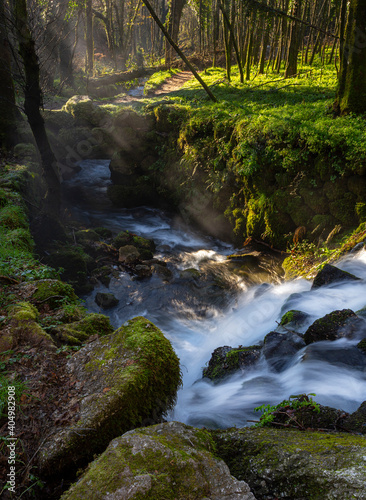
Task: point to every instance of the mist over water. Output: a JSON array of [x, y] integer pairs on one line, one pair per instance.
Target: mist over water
[[251, 313]]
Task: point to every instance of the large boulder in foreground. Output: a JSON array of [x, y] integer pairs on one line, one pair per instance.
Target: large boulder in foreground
[[124, 380], [286, 463], [169, 460]]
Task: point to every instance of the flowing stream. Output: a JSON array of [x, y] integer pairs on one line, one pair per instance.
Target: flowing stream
[[197, 321]]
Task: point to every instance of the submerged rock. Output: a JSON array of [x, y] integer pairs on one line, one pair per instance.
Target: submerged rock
[[331, 274], [335, 354], [279, 347], [227, 360], [169, 460], [297, 465], [332, 326], [125, 380], [106, 300]]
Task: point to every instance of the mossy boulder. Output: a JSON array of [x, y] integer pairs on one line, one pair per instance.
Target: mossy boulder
[[292, 464], [54, 293], [294, 320], [227, 360], [84, 111], [24, 329], [330, 274], [332, 326], [79, 331], [166, 461], [126, 380], [128, 254]]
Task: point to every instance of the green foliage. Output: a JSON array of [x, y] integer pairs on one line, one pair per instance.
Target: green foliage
[[19, 388], [287, 406]]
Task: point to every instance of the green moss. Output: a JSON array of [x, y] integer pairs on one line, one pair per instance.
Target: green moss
[[296, 464], [24, 311], [13, 217], [79, 331], [362, 345], [18, 239], [24, 327], [55, 293]]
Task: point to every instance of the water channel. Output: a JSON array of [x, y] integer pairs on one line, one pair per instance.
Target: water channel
[[197, 320]]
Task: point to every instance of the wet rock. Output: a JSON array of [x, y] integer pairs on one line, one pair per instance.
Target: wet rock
[[362, 346], [279, 348], [106, 300], [356, 422], [227, 360], [128, 254], [79, 331], [340, 355], [294, 300], [126, 238], [331, 274], [284, 463], [294, 320], [125, 380], [169, 460], [143, 271], [162, 271], [330, 327], [262, 288]]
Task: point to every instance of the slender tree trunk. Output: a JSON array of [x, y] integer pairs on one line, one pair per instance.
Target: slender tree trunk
[[293, 49], [89, 38], [175, 13], [32, 105], [7, 95]]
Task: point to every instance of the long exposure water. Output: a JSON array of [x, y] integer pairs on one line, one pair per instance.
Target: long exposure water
[[196, 325]]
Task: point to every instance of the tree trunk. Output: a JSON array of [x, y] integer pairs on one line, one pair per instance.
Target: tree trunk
[[32, 104], [89, 38], [7, 95], [293, 49], [351, 96], [175, 13]]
